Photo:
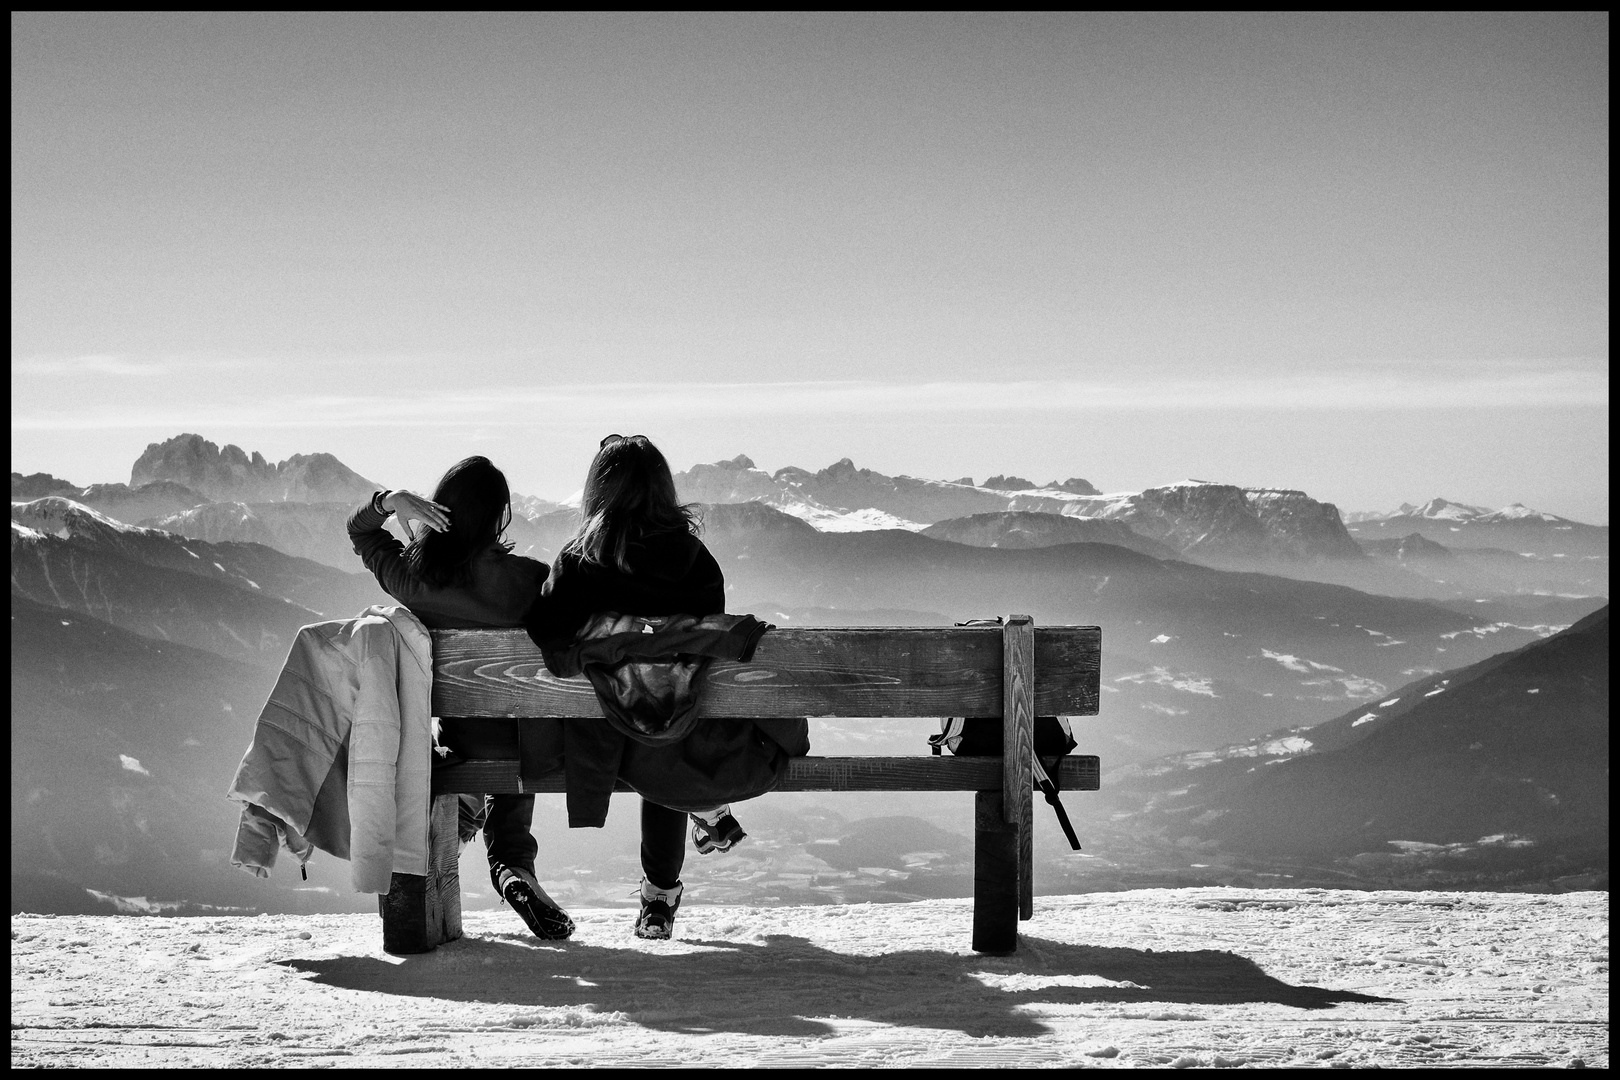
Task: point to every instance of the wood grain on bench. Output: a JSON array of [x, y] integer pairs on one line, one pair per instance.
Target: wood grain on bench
[[799, 671], [1014, 672]]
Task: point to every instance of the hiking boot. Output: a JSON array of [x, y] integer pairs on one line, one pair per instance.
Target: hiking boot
[[658, 906], [716, 830], [519, 888]]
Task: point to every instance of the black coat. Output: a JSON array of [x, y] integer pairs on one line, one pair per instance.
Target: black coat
[[499, 589], [671, 573], [720, 760]]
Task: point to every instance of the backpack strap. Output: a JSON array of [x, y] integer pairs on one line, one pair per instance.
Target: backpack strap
[[1044, 784]]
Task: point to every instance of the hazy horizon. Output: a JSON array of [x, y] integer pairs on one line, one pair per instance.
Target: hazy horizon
[[1361, 255], [558, 488]]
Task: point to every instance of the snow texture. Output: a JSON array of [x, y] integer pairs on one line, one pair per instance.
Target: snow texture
[[831, 520], [1211, 977]]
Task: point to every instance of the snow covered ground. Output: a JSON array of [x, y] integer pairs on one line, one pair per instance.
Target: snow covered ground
[[1152, 977]]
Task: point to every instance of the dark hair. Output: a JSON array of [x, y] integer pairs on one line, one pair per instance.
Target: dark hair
[[480, 507], [629, 493]]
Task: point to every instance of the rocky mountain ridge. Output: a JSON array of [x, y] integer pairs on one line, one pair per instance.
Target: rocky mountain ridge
[[239, 600], [1028, 529], [230, 474], [129, 504], [1197, 519], [1271, 530], [1227, 523]]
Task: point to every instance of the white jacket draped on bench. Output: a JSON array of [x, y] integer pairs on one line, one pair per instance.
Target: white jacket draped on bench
[[342, 752]]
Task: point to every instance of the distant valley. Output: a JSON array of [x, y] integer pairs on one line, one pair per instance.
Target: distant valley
[[149, 619], [1479, 776]]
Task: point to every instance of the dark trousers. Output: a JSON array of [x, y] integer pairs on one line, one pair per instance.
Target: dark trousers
[[508, 838], [663, 844], [506, 821]]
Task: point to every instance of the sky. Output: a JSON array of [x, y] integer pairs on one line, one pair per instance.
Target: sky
[[1361, 255]]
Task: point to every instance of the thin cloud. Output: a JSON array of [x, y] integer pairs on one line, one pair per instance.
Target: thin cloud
[[589, 404], [107, 364], [118, 364]]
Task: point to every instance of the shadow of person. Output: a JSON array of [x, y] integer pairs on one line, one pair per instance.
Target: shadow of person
[[779, 985]]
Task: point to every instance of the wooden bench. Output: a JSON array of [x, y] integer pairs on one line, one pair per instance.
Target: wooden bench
[[1017, 672]]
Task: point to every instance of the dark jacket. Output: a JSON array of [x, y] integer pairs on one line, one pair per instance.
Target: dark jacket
[[500, 586], [717, 760], [671, 573], [499, 589], [648, 672]]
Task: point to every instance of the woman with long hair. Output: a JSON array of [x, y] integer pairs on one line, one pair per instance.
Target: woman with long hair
[[637, 552], [457, 572]]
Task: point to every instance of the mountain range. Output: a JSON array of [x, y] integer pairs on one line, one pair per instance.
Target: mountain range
[[1513, 549], [239, 600], [1201, 650], [1192, 653], [191, 486], [1276, 531], [1195, 518], [1029, 529], [230, 474]]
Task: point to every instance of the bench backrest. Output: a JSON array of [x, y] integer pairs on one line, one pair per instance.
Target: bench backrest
[[801, 671]]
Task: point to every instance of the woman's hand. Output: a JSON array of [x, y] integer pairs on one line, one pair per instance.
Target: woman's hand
[[408, 505]]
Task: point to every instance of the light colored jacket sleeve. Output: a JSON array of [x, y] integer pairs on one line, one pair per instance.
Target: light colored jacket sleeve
[[373, 762], [413, 774], [390, 750], [259, 839]]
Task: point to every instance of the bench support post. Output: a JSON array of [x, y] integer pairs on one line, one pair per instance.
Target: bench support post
[[1018, 748], [420, 913], [995, 876]]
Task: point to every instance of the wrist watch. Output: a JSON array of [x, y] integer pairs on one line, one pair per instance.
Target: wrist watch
[[377, 502]]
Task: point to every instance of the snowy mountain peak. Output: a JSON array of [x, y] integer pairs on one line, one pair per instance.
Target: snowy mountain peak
[[1520, 512], [1456, 513], [1445, 510], [55, 515]]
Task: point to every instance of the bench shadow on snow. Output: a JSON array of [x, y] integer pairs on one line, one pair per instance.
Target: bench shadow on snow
[[771, 986]]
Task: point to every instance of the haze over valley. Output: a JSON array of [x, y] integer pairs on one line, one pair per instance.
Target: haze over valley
[[1274, 345], [1250, 637]]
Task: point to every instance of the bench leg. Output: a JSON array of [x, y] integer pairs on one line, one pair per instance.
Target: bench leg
[[995, 877], [1026, 860], [444, 867], [421, 913]]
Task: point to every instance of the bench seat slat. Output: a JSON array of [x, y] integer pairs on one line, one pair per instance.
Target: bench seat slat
[[799, 671], [1079, 773]]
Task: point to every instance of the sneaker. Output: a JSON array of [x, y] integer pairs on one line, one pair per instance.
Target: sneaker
[[716, 831], [520, 889], [658, 906]]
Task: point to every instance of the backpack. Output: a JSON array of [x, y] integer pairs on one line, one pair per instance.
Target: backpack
[[981, 736]]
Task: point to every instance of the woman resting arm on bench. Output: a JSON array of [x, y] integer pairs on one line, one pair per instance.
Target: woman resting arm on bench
[[637, 553], [457, 573]]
